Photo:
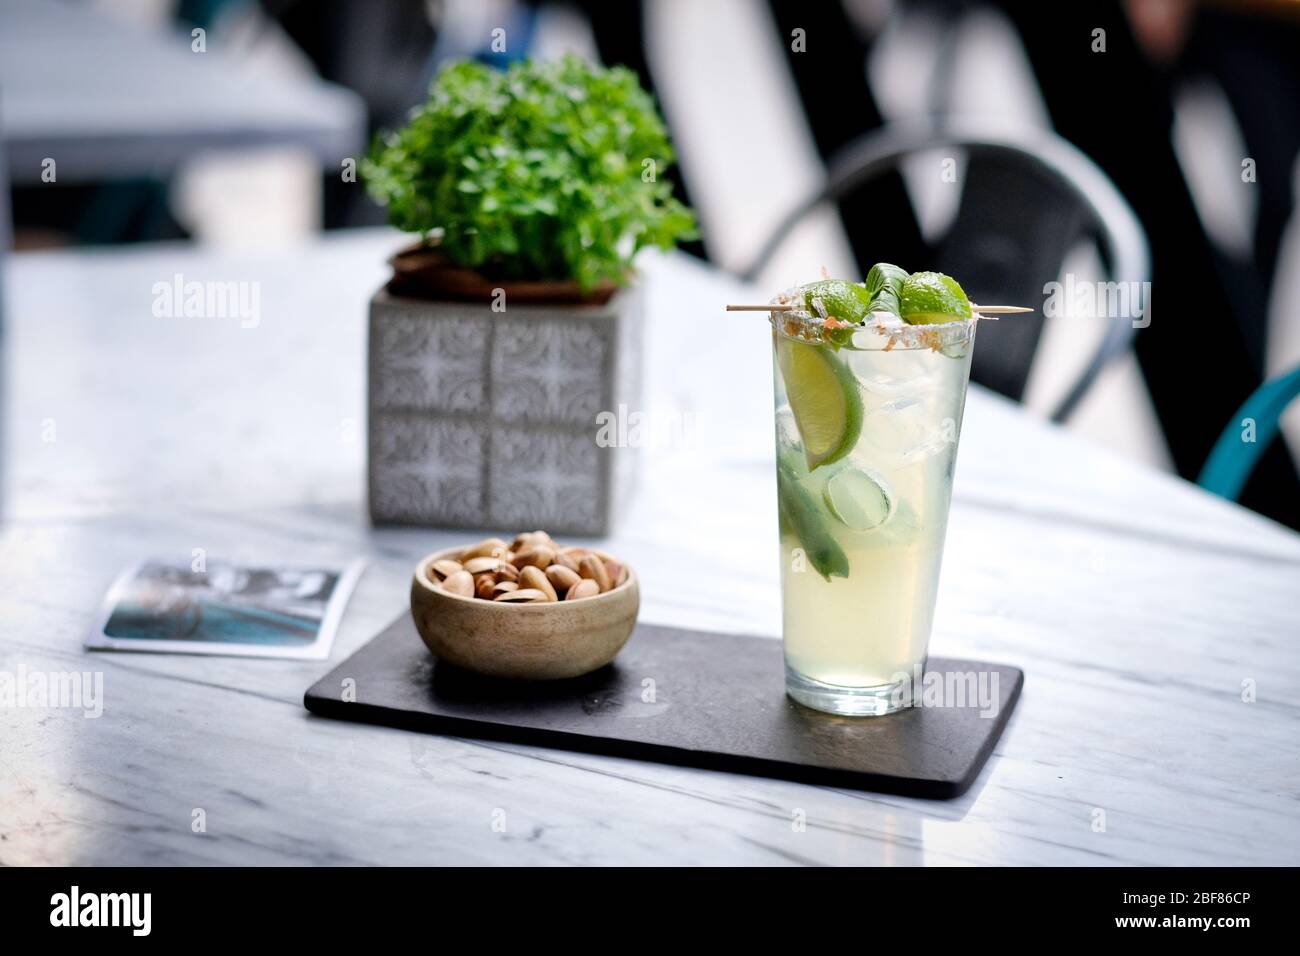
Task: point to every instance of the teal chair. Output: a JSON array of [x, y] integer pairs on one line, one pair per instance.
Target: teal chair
[[1232, 459]]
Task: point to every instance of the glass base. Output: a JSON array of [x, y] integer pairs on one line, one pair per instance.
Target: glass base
[[848, 701]]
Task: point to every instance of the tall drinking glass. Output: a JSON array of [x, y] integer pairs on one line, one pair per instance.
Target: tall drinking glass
[[867, 422]]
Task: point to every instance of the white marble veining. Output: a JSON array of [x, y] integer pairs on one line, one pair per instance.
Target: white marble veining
[[1135, 604]]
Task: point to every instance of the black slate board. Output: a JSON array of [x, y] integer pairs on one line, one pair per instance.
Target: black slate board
[[719, 703]]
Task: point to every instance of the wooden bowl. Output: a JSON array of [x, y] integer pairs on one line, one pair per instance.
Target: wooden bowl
[[537, 641]]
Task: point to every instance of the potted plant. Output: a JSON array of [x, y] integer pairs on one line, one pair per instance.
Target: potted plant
[[515, 320]]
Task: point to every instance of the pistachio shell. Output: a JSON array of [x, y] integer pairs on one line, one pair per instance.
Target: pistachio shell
[[538, 557], [487, 548], [521, 596], [583, 589], [616, 570], [535, 578], [444, 567], [593, 568], [462, 583], [533, 539], [562, 578], [566, 561], [545, 540]]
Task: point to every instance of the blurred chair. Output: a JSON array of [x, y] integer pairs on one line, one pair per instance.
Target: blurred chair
[[1233, 458], [1027, 201]]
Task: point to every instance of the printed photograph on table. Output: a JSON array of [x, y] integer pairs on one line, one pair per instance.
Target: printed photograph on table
[[225, 608]]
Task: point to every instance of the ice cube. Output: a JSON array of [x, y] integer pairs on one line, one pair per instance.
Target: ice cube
[[860, 500]]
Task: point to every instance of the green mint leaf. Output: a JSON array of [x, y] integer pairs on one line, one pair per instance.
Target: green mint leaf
[[545, 171]]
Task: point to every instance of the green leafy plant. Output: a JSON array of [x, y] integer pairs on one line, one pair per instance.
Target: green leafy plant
[[544, 171]]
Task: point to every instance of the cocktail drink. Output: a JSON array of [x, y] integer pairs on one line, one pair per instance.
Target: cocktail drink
[[868, 415]]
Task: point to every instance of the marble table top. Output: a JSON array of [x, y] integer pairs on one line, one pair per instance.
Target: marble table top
[[1158, 627]]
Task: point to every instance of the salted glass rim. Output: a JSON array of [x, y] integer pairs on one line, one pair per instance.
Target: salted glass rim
[[877, 334]]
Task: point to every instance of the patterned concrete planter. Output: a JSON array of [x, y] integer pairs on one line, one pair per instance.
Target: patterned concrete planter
[[489, 420]]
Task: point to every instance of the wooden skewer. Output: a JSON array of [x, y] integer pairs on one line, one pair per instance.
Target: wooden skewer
[[982, 309]]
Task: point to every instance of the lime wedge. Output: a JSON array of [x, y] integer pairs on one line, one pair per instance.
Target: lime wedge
[[800, 514], [857, 499], [824, 399], [836, 299], [930, 298]]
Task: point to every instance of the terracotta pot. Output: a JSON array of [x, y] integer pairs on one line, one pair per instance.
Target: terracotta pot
[[423, 271]]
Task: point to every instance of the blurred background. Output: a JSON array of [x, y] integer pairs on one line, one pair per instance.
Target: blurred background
[[1185, 111]]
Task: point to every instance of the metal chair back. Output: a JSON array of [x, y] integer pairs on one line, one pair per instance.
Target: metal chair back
[[1027, 200]]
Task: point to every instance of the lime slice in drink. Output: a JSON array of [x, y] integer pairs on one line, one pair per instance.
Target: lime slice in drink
[[930, 298], [857, 499], [800, 514], [824, 399], [836, 299]]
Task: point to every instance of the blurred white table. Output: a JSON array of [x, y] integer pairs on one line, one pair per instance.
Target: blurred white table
[[108, 99], [1136, 605]]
